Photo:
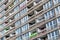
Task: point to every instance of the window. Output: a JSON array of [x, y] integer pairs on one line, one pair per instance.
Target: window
[[3, 6], [24, 19], [2, 19], [16, 1], [46, 5], [45, 15], [52, 13], [2, 38], [20, 30], [0, 0], [51, 25], [2, 13], [27, 36], [52, 34], [25, 27], [20, 38], [55, 2], [17, 23], [56, 11], [25, 10], [58, 0], [56, 32], [54, 23], [17, 31], [49, 14], [47, 26], [59, 8], [50, 3], [16, 9], [21, 1], [59, 19], [49, 36]]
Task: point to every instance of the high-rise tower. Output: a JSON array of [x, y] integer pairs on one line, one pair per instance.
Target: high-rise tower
[[29, 19]]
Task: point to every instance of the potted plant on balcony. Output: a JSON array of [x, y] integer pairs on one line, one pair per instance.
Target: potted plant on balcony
[[33, 34], [7, 28]]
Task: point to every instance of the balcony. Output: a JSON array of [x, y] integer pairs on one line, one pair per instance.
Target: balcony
[[44, 37], [6, 9], [7, 36], [11, 5], [21, 1], [31, 14], [31, 23], [7, 28], [12, 18], [28, 1], [39, 8], [6, 2], [12, 34], [13, 25], [37, 1], [33, 33], [6, 22], [40, 19], [29, 6], [41, 38]]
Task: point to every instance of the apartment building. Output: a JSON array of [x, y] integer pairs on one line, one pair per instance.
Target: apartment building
[[29, 19]]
